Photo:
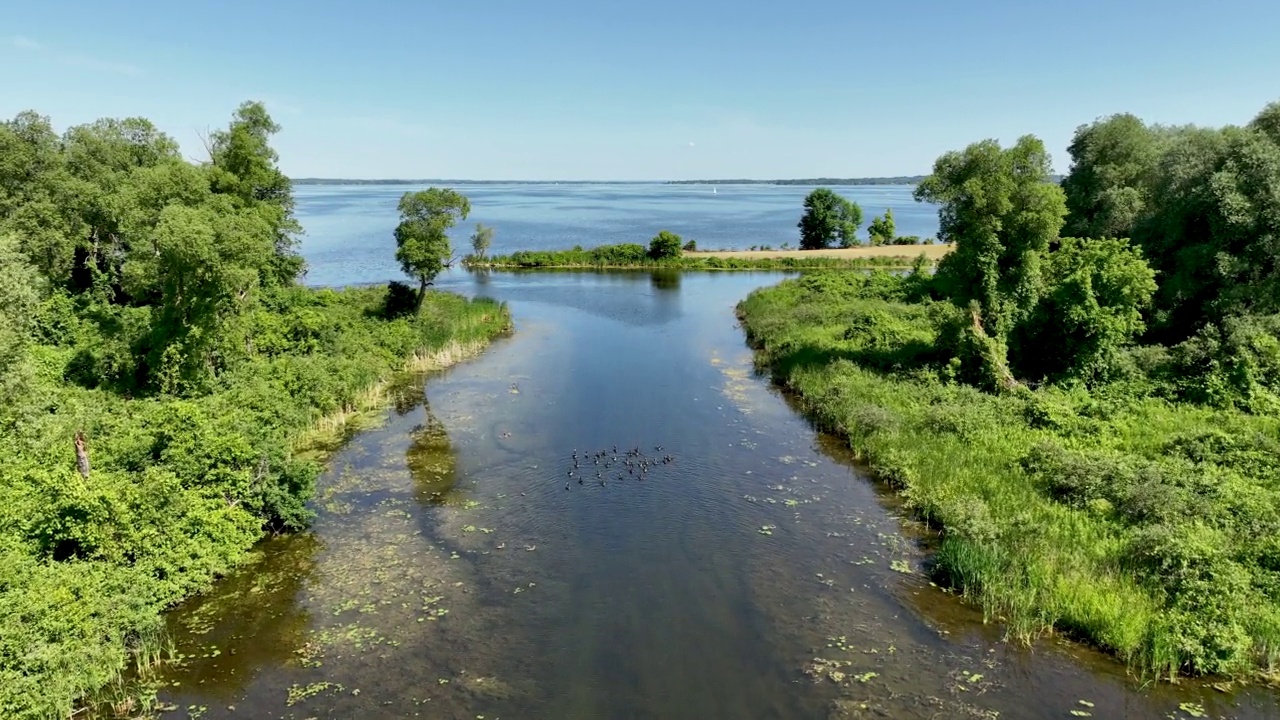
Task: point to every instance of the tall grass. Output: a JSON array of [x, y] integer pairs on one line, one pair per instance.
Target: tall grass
[[1058, 510]]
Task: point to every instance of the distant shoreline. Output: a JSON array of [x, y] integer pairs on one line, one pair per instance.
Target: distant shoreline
[[903, 180]]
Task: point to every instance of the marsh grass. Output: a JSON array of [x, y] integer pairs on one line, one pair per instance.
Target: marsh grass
[[1142, 526]]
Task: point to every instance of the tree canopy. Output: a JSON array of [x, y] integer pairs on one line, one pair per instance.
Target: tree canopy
[[882, 229], [481, 239], [665, 245], [422, 237], [828, 217], [1000, 209]]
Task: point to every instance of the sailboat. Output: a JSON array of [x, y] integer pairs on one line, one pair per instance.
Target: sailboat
[[713, 191]]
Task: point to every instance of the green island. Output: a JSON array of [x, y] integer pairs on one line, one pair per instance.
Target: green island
[[168, 390], [1090, 425]]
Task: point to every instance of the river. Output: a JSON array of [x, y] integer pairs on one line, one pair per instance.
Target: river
[[609, 514]]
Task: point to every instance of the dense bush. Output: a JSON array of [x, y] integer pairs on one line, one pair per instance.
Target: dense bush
[[665, 245]]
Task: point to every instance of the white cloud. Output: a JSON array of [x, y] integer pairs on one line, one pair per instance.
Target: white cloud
[[99, 65], [691, 144], [86, 62]]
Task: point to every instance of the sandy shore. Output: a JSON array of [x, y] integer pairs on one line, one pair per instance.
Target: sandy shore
[[933, 252]]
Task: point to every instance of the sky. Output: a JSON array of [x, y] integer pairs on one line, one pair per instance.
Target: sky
[[650, 90]]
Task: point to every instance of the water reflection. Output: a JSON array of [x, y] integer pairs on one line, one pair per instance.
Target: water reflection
[[756, 577], [431, 461], [220, 645]]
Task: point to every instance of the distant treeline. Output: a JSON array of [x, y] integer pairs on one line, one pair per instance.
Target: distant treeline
[[897, 180]]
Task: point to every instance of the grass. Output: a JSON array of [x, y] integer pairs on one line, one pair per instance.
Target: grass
[[626, 256], [181, 487], [1145, 527]]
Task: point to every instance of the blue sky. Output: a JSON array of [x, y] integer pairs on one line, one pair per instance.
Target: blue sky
[[658, 89]]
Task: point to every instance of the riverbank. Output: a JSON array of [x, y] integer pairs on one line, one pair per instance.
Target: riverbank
[[631, 256], [908, 253], [1139, 524], [178, 488]]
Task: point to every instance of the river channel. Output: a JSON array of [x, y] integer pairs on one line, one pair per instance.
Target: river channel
[[710, 556]]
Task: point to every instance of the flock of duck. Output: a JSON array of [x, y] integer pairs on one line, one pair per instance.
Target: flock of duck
[[599, 466]]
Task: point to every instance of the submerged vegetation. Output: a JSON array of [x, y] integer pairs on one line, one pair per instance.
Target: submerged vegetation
[[1096, 442], [163, 379]]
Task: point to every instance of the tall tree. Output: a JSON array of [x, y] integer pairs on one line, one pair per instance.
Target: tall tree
[[1000, 210], [882, 229], [481, 239], [1108, 188], [20, 286], [244, 166], [422, 237], [36, 198], [828, 217]]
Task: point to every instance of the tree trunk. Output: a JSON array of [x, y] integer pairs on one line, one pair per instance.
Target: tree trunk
[[422, 293], [82, 455]]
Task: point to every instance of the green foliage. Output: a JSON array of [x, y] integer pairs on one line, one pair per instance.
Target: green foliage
[[631, 255], [1145, 527], [1000, 210], [1109, 187], [481, 239], [882, 229], [1091, 307], [1203, 204], [691, 246], [828, 217], [149, 303], [422, 237], [19, 296], [665, 245], [244, 166]]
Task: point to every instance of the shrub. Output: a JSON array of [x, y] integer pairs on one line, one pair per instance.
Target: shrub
[[691, 246], [665, 245]]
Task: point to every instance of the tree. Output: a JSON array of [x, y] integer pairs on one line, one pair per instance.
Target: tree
[[1095, 293], [828, 217], [1000, 210], [665, 245], [882, 229], [244, 166], [1113, 164], [422, 237], [20, 287], [481, 239]]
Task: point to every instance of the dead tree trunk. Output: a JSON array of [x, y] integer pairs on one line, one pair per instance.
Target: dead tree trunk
[[82, 455]]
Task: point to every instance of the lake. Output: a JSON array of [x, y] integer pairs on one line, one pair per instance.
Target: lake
[[610, 514], [349, 227]]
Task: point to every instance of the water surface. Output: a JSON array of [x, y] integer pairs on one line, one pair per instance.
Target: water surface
[[349, 227], [457, 569]]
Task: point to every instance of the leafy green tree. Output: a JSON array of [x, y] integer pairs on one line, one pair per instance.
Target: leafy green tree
[[422, 237], [36, 194], [244, 166], [206, 263], [1000, 210], [665, 245], [1095, 294], [20, 286], [1114, 163], [481, 239], [828, 217], [882, 229]]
